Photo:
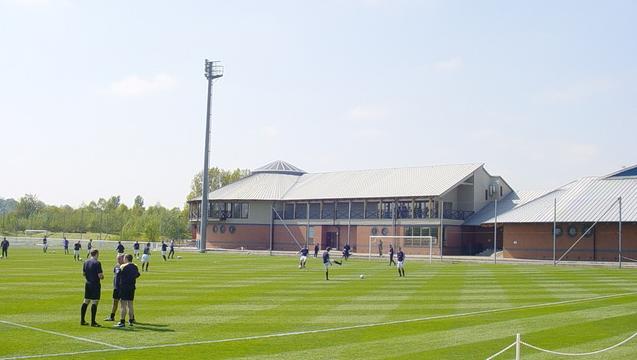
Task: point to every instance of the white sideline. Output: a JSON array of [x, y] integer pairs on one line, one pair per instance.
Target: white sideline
[[343, 328], [580, 354], [61, 334]]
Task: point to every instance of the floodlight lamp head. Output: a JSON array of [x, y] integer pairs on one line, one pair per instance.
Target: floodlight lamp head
[[214, 69]]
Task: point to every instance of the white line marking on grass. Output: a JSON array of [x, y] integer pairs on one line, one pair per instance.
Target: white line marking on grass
[[61, 334], [317, 331]]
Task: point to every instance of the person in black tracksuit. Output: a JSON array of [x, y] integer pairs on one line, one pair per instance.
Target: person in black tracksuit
[[93, 274], [391, 255], [5, 247], [401, 262], [127, 279]]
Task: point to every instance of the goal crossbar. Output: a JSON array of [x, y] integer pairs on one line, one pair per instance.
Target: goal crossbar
[[406, 242]]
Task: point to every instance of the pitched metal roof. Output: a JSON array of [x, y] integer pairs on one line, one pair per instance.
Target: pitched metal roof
[[513, 200], [584, 200], [279, 167], [358, 184]]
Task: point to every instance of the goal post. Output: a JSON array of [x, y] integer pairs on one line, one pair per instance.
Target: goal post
[[411, 245]]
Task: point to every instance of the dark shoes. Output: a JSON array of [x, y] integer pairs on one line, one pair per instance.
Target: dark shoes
[[83, 323]]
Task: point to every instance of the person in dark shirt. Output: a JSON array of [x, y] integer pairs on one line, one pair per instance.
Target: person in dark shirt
[[76, 251], [346, 251], [380, 248], [391, 255], [120, 247], [316, 250], [45, 244], [136, 249], [89, 247], [326, 262], [171, 253], [65, 244], [303, 259], [92, 288], [126, 284], [5, 248], [401, 262], [116, 270], [146, 257], [164, 247]]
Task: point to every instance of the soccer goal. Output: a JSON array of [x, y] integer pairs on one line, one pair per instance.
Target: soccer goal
[[411, 245]]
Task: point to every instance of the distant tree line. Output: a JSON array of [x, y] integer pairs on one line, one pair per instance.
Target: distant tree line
[[110, 216]]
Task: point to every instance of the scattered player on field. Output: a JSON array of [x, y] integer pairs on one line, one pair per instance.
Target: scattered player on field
[[391, 255], [45, 244], [5, 247], [127, 278], [346, 252], [171, 253], [65, 244], [116, 269], [401, 262], [76, 251], [136, 249], [327, 262], [303, 259], [146, 257], [120, 247], [89, 247], [92, 288], [164, 247], [316, 250], [380, 248]]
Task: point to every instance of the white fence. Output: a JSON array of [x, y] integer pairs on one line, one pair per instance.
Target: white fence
[[57, 243]]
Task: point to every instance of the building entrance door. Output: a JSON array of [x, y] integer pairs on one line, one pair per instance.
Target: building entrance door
[[331, 239]]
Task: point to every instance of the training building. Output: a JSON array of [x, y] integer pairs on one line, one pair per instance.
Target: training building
[[281, 207]]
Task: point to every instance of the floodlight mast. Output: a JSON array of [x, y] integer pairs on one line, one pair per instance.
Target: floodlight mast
[[213, 71]]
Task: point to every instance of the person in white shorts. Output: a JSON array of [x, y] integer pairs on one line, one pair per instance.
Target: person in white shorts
[[146, 257], [303, 259]]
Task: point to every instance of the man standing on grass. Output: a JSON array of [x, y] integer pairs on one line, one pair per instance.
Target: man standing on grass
[[346, 251], [380, 248], [316, 250], [146, 257], [92, 288], [136, 249], [120, 247], [164, 247], [391, 255], [65, 244], [327, 262], [76, 251], [5, 247], [127, 278], [171, 253], [303, 259], [45, 244], [401, 262], [116, 270], [89, 247]]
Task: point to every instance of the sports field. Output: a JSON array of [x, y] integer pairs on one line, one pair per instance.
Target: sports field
[[239, 306]]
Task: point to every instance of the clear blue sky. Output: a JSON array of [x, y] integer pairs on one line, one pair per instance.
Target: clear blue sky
[[99, 98]]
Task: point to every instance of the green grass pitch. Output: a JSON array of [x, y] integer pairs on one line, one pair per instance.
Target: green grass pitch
[[238, 306]]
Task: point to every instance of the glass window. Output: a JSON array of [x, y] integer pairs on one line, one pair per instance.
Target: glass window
[[372, 210], [387, 211], [216, 210], [289, 211], [404, 210], [328, 210], [358, 210], [301, 211], [236, 210], [315, 211], [245, 207], [342, 210], [278, 209], [226, 211]]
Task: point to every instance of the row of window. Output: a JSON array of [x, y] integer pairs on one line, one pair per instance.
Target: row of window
[[572, 230], [421, 209]]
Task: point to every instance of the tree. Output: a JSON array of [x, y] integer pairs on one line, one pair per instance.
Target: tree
[[28, 205], [7, 206], [217, 178]]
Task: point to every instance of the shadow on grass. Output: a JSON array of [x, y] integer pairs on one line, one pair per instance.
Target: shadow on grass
[[145, 327]]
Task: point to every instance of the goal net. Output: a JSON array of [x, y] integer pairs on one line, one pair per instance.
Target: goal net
[[411, 245]]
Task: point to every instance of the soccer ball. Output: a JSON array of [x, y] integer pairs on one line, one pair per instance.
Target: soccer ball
[[299, 266], [362, 276], [80, 259]]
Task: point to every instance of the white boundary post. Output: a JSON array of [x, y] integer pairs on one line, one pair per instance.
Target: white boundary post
[[554, 228], [495, 232], [431, 247], [620, 231], [517, 346], [442, 226]]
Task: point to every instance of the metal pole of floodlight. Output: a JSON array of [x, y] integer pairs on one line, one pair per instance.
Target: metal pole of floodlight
[[214, 70]]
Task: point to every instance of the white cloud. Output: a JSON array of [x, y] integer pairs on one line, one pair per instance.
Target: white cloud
[[452, 64], [270, 131], [366, 113], [137, 86]]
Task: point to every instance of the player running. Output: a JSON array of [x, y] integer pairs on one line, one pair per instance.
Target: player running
[[401, 262], [76, 251], [327, 262], [171, 253], [164, 247], [303, 259]]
